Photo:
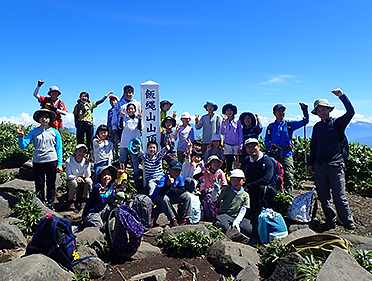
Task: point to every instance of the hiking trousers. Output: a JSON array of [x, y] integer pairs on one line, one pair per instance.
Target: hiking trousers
[[165, 203], [48, 170], [73, 188], [330, 182], [224, 221], [288, 177]]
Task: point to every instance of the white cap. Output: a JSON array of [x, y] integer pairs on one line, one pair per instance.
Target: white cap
[[237, 173], [185, 115], [251, 140], [216, 137]]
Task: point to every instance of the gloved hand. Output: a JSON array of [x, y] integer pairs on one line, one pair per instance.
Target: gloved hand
[[236, 224], [304, 108], [39, 83]]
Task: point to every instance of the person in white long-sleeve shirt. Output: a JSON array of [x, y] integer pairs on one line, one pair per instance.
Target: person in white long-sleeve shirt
[[78, 176]]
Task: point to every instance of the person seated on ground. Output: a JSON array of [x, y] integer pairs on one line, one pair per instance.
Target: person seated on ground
[[152, 164], [171, 190], [101, 198], [235, 203], [210, 174], [78, 177], [259, 172]]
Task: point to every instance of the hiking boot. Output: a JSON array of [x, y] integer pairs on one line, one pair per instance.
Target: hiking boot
[[184, 222], [173, 223], [83, 203]]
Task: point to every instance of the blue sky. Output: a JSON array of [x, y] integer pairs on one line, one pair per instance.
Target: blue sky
[[250, 53]]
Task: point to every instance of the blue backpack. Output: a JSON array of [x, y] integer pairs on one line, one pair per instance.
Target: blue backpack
[[271, 225], [53, 237]]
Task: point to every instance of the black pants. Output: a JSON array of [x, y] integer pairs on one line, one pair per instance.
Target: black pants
[[85, 128], [41, 170]]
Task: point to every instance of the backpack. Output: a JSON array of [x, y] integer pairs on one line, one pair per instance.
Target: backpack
[[210, 208], [124, 231], [277, 179], [301, 206], [271, 226], [53, 237], [195, 209], [270, 129], [143, 205], [319, 245]]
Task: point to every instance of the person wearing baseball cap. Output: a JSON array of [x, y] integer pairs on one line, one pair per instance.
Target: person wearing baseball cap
[[235, 203], [211, 123], [259, 172], [52, 103], [171, 190], [278, 140], [185, 135], [47, 157], [165, 105], [328, 152]]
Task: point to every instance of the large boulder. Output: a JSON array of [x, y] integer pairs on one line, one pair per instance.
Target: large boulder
[[4, 208], [93, 265], [146, 250], [89, 235], [34, 267], [359, 242], [18, 185], [285, 269], [11, 237], [340, 266], [247, 274], [232, 257], [36, 201], [297, 234]]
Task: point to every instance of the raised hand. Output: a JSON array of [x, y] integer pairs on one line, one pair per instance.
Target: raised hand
[[109, 93], [174, 114], [338, 92], [20, 132], [140, 114], [122, 113], [40, 83], [196, 118], [224, 118], [178, 127]]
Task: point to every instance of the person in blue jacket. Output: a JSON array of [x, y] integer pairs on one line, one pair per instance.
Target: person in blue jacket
[[278, 140], [47, 158]]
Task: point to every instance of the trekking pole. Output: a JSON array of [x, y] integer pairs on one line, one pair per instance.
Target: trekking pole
[[304, 110]]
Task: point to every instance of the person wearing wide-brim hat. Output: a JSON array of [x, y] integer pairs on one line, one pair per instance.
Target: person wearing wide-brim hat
[[168, 136], [328, 152], [211, 123], [101, 198], [184, 134], [231, 129], [47, 158], [52, 103]]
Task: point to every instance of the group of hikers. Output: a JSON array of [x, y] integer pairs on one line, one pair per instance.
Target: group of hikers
[[198, 169]]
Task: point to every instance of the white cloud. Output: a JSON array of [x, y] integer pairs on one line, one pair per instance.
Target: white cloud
[[280, 79]]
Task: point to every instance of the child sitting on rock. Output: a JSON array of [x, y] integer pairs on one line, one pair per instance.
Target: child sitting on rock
[[101, 198], [235, 202], [78, 177]]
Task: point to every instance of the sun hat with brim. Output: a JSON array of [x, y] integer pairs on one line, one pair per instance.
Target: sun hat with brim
[[251, 115], [168, 118], [231, 106], [41, 112], [175, 165], [278, 106], [214, 157], [163, 102], [321, 102], [113, 171], [80, 145], [237, 173], [54, 89], [210, 102], [251, 140], [185, 115]]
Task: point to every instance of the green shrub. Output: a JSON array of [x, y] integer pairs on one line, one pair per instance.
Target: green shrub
[[273, 253], [364, 258], [281, 203], [309, 270], [28, 213], [358, 169], [5, 177], [187, 244]]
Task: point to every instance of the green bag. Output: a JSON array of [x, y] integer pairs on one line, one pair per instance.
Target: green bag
[[320, 245]]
